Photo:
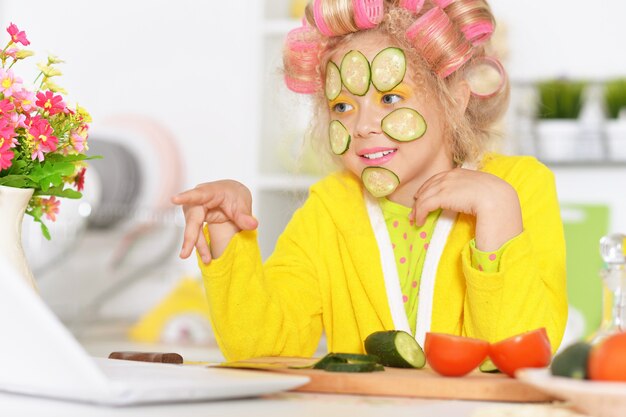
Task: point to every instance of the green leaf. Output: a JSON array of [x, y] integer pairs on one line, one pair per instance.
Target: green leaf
[[60, 192], [18, 181]]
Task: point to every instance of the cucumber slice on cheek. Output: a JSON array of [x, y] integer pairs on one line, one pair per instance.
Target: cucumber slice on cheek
[[388, 69], [404, 125], [339, 137], [333, 81], [355, 73], [379, 181]]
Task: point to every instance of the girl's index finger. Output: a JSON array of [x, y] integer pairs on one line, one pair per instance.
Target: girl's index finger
[[195, 196]]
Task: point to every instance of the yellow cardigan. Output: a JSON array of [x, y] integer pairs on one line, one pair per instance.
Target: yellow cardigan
[[326, 275]]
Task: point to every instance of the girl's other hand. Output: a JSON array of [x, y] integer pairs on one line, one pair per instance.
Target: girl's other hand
[[493, 202], [226, 207]]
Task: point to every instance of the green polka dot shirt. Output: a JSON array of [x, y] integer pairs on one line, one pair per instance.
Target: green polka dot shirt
[[410, 245]]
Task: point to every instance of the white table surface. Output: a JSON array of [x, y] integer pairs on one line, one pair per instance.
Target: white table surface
[[277, 405]]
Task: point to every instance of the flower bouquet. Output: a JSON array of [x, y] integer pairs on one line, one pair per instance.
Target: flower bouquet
[[42, 140]]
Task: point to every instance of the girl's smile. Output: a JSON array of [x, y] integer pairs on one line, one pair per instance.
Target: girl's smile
[[377, 156]]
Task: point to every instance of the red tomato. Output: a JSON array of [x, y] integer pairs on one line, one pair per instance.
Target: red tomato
[[607, 360], [527, 350], [451, 355]]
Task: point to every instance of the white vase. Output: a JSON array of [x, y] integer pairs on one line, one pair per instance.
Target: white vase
[[558, 139], [616, 139], [13, 203]]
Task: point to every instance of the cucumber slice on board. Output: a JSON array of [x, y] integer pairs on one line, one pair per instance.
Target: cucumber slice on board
[[395, 348], [339, 137], [348, 362], [355, 73], [404, 125], [379, 181], [354, 367], [488, 367], [388, 69], [333, 81]]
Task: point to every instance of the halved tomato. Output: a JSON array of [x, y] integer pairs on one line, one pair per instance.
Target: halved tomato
[[607, 360], [451, 355], [526, 350]]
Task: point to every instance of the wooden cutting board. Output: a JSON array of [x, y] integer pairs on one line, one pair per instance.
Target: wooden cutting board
[[422, 383]]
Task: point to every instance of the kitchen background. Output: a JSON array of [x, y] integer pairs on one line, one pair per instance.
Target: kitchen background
[[183, 92]]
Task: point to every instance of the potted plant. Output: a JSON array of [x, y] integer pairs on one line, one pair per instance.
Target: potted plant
[[558, 130], [614, 94]]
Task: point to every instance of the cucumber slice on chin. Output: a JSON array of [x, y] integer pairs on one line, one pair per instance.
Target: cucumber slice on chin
[[333, 81], [395, 348], [388, 69], [339, 137], [356, 73], [379, 181], [404, 125]]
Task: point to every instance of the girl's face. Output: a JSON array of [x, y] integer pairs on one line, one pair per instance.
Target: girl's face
[[414, 161]]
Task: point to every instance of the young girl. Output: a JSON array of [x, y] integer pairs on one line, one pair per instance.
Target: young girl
[[422, 230]]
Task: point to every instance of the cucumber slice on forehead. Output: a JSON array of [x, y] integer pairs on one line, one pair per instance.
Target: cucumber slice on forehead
[[333, 81], [404, 125], [339, 137], [355, 73], [388, 69], [379, 181]]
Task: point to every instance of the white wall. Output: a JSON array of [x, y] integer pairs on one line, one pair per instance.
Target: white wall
[[190, 64], [572, 38]]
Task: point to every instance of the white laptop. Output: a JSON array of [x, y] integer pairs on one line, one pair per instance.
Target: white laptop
[[39, 356]]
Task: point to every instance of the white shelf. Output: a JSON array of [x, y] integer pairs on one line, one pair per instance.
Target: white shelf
[[286, 182]]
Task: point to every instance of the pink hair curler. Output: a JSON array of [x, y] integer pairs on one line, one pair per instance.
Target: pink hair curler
[[494, 63], [433, 20], [454, 65], [412, 5], [443, 3], [432, 29], [300, 58], [318, 16], [300, 86], [367, 13], [478, 32]]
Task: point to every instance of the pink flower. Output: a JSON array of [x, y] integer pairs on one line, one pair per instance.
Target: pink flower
[[50, 207], [17, 35], [50, 103], [18, 120], [78, 139], [79, 179], [6, 106], [43, 139], [24, 99], [9, 83], [12, 52], [6, 130], [6, 154]]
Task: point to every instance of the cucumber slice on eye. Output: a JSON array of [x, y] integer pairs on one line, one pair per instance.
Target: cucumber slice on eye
[[388, 69], [404, 125], [355, 73], [339, 137], [333, 81], [379, 181]]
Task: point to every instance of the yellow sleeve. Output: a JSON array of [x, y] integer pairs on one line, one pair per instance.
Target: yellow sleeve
[[529, 288], [272, 309]]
